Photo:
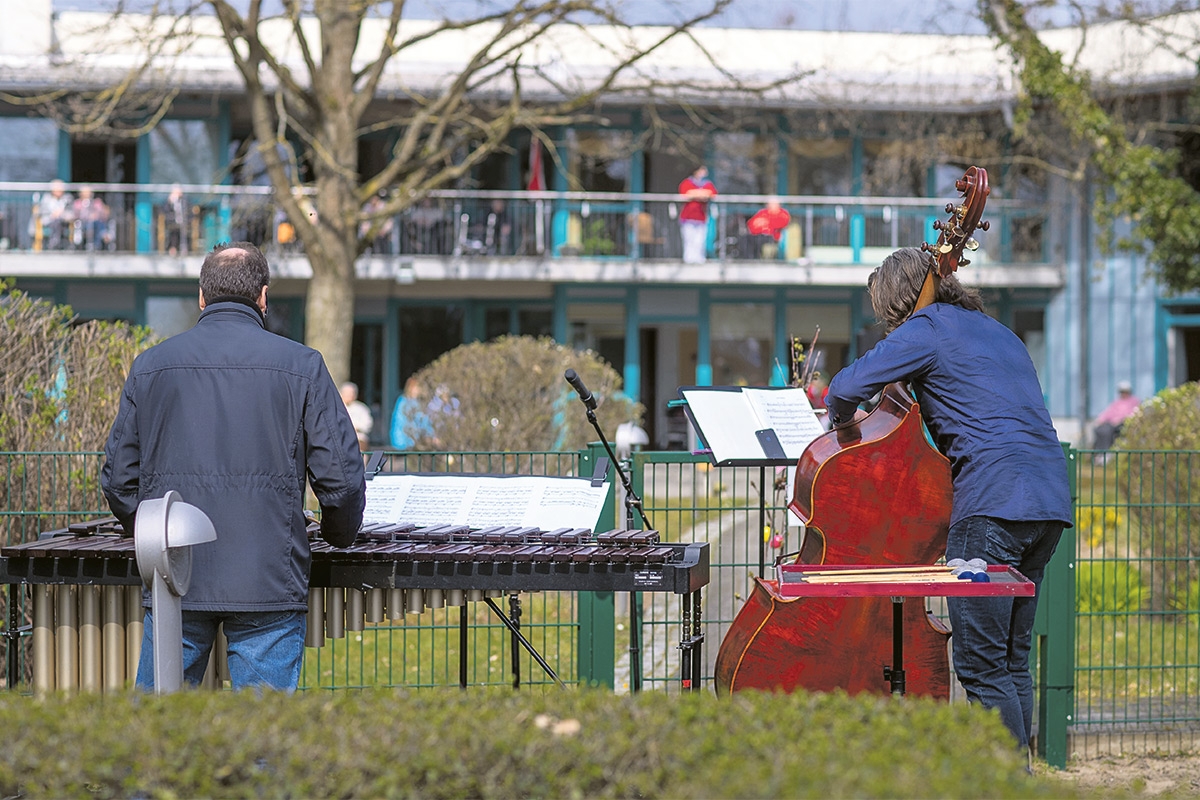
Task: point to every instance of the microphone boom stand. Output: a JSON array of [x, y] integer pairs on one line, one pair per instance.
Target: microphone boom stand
[[632, 503]]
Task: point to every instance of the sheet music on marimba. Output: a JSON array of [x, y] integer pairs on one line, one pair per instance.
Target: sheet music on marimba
[[480, 501]]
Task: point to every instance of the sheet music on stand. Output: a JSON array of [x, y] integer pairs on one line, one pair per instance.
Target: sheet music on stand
[[480, 501], [752, 425]]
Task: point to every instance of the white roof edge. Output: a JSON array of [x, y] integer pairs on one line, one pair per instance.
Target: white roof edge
[[863, 69]]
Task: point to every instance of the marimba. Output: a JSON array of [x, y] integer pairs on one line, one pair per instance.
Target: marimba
[[87, 614]]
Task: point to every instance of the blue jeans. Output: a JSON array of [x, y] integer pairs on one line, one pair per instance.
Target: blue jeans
[[266, 648], [992, 635]]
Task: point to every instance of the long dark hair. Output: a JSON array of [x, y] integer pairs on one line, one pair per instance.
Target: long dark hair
[[896, 284]]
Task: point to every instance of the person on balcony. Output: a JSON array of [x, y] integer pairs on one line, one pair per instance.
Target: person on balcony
[[54, 214], [498, 235], [693, 218], [766, 226], [91, 221], [175, 214], [381, 243]]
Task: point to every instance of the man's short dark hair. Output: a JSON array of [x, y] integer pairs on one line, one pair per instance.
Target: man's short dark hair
[[237, 269]]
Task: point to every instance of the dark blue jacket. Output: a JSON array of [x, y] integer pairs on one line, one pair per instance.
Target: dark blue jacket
[[235, 419], [983, 405]]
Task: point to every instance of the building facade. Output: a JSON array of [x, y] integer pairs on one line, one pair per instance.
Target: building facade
[[861, 147]]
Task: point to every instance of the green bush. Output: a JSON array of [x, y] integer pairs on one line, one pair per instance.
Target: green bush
[[1108, 586], [505, 744], [1159, 474], [596, 241], [512, 396]]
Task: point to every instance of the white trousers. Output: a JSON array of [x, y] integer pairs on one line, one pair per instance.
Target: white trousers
[[694, 234]]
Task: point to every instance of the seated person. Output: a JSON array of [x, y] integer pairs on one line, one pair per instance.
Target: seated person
[[767, 227], [91, 215], [55, 213], [1107, 426]]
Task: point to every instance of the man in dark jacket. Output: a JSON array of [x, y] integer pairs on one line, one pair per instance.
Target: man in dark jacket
[[236, 419]]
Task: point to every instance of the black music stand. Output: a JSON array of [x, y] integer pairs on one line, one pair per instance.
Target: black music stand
[[752, 426]]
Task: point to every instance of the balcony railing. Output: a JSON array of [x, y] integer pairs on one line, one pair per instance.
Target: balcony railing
[[511, 224]]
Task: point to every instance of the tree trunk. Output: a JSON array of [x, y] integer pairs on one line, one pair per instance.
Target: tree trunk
[[329, 309]]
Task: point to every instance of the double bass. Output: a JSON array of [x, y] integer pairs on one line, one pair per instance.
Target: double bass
[[877, 493]]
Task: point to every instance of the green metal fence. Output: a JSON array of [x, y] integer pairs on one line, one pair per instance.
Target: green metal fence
[[424, 649], [1118, 631], [1137, 609]]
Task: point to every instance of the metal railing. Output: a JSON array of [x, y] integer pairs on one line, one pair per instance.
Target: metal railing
[[1118, 633], [128, 218]]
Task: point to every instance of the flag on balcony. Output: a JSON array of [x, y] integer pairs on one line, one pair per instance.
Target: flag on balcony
[[537, 172]]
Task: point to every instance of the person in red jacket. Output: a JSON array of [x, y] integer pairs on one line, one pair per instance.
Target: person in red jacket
[[693, 219], [767, 226]]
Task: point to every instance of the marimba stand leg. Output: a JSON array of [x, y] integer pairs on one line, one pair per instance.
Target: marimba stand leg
[[12, 636], [635, 642], [462, 646], [894, 674], [514, 613], [517, 637], [690, 641]]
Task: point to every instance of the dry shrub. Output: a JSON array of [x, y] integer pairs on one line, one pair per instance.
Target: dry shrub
[[511, 395], [60, 385]]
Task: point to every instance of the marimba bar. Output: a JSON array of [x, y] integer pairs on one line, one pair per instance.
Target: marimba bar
[[87, 613]]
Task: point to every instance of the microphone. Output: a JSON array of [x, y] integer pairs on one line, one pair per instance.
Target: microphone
[[580, 389]]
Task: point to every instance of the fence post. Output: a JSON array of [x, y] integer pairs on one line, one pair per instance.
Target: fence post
[[1054, 632], [597, 647]]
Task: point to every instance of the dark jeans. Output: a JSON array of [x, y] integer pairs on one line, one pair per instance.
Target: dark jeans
[[992, 635], [1105, 434]]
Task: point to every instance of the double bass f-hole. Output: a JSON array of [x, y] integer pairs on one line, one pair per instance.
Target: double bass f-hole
[[964, 218]]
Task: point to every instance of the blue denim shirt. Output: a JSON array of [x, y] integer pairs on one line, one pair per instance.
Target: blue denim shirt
[[982, 403]]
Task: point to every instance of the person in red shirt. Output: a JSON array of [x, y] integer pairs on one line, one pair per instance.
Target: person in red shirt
[[693, 219], [768, 222]]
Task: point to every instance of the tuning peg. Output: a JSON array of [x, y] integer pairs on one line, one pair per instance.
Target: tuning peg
[[971, 245], [946, 248], [985, 225], [925, 247], [962, 262], [949, 208], [937, 224]]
